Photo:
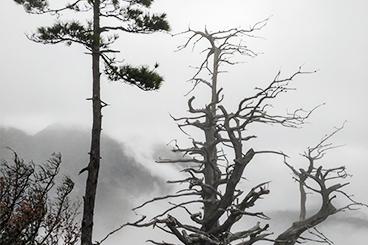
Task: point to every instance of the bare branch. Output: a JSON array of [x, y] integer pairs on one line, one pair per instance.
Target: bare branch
[[164, 197]]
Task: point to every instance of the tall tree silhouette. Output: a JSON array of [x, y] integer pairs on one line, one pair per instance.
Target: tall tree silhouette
[[130, 16]]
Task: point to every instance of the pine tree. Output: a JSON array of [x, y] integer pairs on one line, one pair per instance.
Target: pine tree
[[129, 16]]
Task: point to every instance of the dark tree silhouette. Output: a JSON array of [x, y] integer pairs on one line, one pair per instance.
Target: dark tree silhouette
[[130, 16], [33, 210]]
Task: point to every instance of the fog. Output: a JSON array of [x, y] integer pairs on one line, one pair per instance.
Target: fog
[[127, 181], [43, 85]]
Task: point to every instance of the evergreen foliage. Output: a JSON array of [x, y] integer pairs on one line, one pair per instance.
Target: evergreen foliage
[[68, 32], [131, 17], [33, 6], [141, 76]]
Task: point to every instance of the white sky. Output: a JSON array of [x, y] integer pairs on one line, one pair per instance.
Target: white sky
[[41, 85]]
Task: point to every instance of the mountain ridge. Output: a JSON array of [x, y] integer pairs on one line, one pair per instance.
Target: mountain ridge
[[117, 166]]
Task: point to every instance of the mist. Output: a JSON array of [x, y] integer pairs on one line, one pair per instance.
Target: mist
[[127, 181], [43, 106]]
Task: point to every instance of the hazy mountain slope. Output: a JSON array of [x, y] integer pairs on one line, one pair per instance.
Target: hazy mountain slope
[[123, 181], [73, 144]]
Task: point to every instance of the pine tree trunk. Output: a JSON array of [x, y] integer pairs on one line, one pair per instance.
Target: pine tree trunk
[[94, 163]]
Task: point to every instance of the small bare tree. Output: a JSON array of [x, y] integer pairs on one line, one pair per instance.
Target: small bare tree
[[328, 183]]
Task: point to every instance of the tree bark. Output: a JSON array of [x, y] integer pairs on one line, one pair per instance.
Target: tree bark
[[303, 199], [94, 162], [291, 235], [211, 171]]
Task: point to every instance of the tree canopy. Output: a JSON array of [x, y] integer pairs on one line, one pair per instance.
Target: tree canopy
[[120, 16]]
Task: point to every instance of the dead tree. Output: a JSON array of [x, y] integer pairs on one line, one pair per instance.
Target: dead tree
[[206, 210], [212, 180], [329, 184]]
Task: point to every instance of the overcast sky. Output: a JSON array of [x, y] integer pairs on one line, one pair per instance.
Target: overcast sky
[[41, 85]]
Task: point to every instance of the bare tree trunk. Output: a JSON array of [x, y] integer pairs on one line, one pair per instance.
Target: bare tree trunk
[[303, 195], [303, 200], [94, 163], [211, 171], [291, 235]]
